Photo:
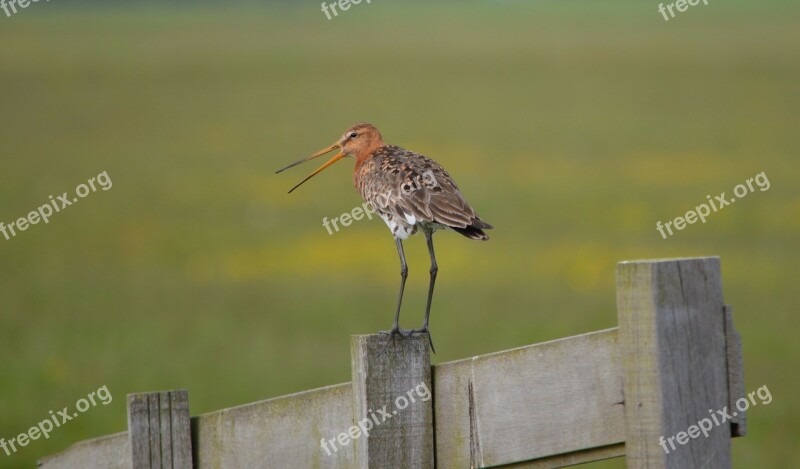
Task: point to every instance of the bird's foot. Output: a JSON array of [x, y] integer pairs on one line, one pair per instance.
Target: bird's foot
[[422, 330], [395, 331]]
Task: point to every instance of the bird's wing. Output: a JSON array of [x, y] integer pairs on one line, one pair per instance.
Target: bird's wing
[[416, 188]]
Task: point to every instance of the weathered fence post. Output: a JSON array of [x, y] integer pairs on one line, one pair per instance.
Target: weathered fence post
[[735, 374], [159, 431], [672, 339], [392, 396]]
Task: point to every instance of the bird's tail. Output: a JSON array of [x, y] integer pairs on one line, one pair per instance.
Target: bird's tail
[[475, 230]]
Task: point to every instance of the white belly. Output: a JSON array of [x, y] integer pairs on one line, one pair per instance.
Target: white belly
[[400, 227]]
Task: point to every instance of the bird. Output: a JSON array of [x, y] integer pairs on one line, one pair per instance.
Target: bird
[[410, 192]]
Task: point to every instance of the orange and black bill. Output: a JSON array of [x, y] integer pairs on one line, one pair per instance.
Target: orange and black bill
[[336, 158]]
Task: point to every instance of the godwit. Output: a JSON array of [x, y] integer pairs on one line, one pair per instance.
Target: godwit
[[410, 192]]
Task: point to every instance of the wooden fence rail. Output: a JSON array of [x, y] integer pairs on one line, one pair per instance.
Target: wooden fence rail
[[605, 394]]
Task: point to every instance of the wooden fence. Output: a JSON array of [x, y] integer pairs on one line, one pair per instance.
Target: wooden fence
[[673, 358]]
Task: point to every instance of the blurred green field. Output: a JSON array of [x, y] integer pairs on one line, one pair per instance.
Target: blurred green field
[[572, 127]]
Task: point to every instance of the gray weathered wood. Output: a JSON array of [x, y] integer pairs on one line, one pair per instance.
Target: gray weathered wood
[[571, 459], [159, 430], [556, 400], [164, 403], [393, 375], [181, 430], [570, 401], [735, 374], [673, 350], [281, 432], [106, 452], [154, 431]]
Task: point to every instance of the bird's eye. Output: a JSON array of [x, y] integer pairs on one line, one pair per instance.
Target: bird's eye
[[353, 135]]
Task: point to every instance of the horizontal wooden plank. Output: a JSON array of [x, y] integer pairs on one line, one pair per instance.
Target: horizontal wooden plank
[[107, 452], [572, 459], [529, 403], [281, 432]]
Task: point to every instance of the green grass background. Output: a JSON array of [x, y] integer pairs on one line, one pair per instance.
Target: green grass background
[[571, 126]]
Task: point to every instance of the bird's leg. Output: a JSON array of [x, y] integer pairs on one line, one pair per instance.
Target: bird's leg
[[434, 271], [395, 330]]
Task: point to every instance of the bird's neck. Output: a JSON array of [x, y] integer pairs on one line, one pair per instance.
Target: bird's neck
[[365, 155]]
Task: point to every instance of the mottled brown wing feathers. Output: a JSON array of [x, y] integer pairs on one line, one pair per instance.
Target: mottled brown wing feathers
[[408, 184]]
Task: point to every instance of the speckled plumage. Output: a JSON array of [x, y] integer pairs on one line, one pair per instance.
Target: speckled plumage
[[410, 192]]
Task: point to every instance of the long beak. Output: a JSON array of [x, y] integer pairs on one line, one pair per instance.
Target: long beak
[[336, 158]]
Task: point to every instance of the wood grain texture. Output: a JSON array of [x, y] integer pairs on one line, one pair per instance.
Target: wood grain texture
[[672, 344], [277, 433], [107, 452], [181, 429], [530, 403], [735, 373], [159, 430], [570, 459], [386, 370]]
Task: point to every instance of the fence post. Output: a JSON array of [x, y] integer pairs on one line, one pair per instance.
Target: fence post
[[159, 430], [391, 376], [735, 374], [673, 352]]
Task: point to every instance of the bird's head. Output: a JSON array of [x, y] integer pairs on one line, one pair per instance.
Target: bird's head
[[359, 140]]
